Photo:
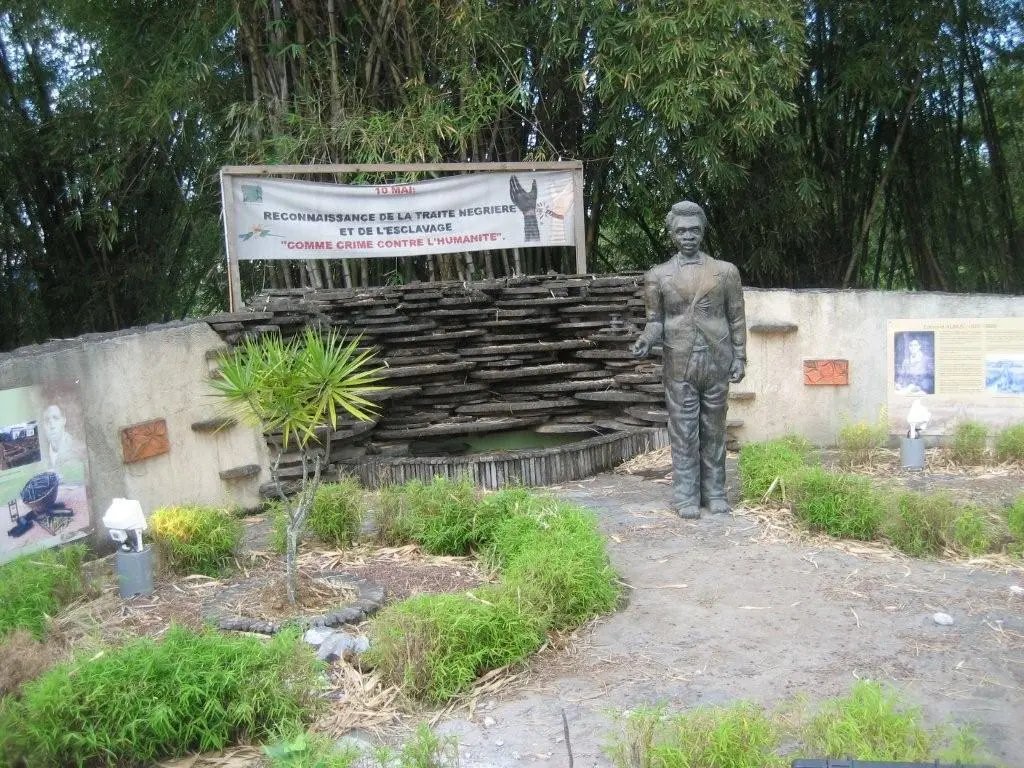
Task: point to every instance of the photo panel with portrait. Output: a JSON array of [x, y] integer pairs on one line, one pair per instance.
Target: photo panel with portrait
[[914, 362], [43, 469]]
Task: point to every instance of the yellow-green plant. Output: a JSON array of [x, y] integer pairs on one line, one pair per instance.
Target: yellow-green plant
[[297, 387], [858, 442], [194, 538]]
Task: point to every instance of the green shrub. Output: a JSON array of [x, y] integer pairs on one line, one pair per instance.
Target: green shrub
[[921, 523], [33, 587], [859, 442], [1015, 520], [739, 736], [555, 575], [148, 700], [968, 443], [314, 750], [424, 750], [971, 534], [554, 556], [309, 750], [337, 513], [841, 505], [760, 464], [1009, 443], [444, 516], [275, 510], [872, 723], [195, 539], [435, 646]]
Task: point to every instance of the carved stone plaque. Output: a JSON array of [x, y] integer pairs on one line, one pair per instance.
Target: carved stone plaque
[[826, 373], [144, 441]]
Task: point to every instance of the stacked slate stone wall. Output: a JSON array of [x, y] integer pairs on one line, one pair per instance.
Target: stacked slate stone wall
[[546, 353]]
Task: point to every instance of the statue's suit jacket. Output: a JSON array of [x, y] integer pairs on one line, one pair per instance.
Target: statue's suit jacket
[[708, 299]]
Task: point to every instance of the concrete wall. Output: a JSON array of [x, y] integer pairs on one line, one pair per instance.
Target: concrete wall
[[834, 324], [135, 376]]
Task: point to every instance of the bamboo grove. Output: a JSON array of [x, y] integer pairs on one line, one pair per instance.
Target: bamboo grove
[[835, 143]]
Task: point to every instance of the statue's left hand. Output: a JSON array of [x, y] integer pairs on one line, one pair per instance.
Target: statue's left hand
[[738, 371]]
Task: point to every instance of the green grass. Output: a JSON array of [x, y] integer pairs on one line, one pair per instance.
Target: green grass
[[443, 516], [424, 750], [278, 515], [33, 587], [859, 442], [309, 750], [972, 534], [870, 723], [1009, 443], [738, 736], [337, 513], [841, 505], [312, 750], [196, 539], [555, 575], [1015, 521], [760, 464], [920, 523], [149, 700], [555, 557], [968, 443], [927, 525], [435, 646]]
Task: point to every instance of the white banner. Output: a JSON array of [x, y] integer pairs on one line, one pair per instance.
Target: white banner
[[284, 219]]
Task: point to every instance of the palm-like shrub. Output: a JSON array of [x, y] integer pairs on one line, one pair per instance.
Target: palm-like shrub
[[298, 387]]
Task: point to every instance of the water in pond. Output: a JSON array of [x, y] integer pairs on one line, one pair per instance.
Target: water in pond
[[495, 442]]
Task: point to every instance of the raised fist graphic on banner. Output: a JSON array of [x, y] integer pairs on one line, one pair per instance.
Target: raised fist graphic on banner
[[527, 203]]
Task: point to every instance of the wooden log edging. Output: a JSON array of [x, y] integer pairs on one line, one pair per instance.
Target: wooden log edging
[[539, 467]]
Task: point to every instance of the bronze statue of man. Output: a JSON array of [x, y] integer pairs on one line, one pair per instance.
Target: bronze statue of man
[[695, 310]]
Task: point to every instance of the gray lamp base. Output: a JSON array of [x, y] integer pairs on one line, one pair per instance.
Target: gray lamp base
[[912, 452], [135, 572]]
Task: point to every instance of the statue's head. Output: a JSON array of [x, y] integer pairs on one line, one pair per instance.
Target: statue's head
[[686, 223]]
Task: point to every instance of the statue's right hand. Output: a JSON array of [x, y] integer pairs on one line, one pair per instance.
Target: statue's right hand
[[641, 347]]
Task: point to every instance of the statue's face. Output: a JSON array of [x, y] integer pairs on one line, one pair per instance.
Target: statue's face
[[686, 233]]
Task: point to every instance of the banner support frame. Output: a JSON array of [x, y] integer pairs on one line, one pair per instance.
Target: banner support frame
[[227, 198]]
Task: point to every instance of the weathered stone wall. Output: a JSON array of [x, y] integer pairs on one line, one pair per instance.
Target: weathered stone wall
[[549, 354]]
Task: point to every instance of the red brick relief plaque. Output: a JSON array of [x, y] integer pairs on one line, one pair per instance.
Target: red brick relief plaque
[[144, 441], [826, 373]]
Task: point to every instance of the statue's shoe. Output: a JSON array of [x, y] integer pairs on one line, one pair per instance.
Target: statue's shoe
[[719, 507], [688, 512]]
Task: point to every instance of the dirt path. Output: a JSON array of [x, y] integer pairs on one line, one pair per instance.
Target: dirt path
[[718, 613]]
